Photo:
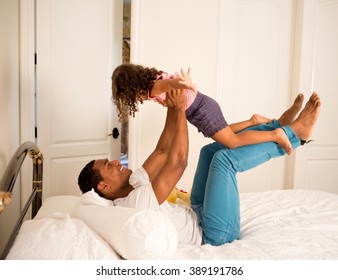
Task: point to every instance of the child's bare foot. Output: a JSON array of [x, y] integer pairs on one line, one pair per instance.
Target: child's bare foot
[[258, 119], [283, 140], [5, 198], [305, 122], [289, 115]]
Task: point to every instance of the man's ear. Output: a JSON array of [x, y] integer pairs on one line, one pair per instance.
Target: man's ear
[[101, 186]]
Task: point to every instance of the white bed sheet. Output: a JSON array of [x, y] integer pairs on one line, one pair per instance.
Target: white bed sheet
[[280, 225]]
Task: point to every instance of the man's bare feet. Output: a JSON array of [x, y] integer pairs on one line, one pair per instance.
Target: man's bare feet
[[306, 120], [258, 119], [283, 140], [289, 115]]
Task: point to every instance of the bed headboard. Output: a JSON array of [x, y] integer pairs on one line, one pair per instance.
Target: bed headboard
[[8, 181]]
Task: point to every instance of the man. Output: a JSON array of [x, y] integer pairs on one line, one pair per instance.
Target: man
[[214, 216], [149, 186]]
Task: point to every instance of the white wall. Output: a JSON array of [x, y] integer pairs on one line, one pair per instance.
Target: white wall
[[9, 79], [9, 92], [252, 56], [239, 52], [165, 35]]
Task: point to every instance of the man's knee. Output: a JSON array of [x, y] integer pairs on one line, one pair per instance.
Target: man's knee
[[218, 237], [206, 154], [223, 159]]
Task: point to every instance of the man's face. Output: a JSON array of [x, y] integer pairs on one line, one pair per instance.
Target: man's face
[[113, 173]]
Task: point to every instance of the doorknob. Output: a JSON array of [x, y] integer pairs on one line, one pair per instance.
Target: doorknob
[[115, 133]]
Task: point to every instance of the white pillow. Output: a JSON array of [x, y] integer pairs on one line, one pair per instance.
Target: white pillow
[[57, 204], [59, 237], [132, 233]]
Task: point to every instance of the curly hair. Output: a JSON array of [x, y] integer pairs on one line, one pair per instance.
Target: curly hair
[[90, 178], [129, 83]]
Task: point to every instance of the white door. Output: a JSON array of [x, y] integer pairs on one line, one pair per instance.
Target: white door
[[78, 44], [316, 164], [256, 73]]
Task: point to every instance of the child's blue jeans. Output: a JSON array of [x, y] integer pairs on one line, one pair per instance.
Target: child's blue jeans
[[214, 195]]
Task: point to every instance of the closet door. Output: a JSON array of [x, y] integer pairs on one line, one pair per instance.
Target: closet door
[[316, 164], [256, 54], [78, 44]]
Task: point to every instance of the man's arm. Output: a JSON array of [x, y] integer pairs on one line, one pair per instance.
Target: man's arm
[[157, 158], [167, 163]]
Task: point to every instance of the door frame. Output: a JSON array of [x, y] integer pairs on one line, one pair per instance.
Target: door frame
[[27, 87]]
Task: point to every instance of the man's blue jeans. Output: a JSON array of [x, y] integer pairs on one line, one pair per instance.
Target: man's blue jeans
[[214, 195]]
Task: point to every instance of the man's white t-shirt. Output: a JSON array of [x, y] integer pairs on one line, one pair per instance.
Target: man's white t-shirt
[[143, 197]]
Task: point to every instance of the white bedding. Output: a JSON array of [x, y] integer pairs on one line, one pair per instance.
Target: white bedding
[[59, 237], [284, 224]]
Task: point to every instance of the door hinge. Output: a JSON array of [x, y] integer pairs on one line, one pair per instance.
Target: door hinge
[[35, 59]]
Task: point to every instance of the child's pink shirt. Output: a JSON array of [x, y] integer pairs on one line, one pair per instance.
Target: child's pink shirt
[[190, 94]]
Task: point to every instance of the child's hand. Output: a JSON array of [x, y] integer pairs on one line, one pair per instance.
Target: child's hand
[[185, 79]]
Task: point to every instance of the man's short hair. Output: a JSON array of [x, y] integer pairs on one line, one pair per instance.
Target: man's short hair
[[89, 178]]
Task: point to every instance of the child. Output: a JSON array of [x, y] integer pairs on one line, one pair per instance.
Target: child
[[132, 84]]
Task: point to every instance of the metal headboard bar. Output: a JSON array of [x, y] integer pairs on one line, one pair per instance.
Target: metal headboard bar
[[18, 225], [14, 166], [8, 181]]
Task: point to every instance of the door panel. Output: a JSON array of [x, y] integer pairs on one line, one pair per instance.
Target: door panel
[[316, 163], [256, 63], [78, 44]]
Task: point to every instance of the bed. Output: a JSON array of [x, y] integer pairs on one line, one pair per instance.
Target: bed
[[275, 225]]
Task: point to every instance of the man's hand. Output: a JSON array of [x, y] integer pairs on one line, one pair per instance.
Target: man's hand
[[176, 99]]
